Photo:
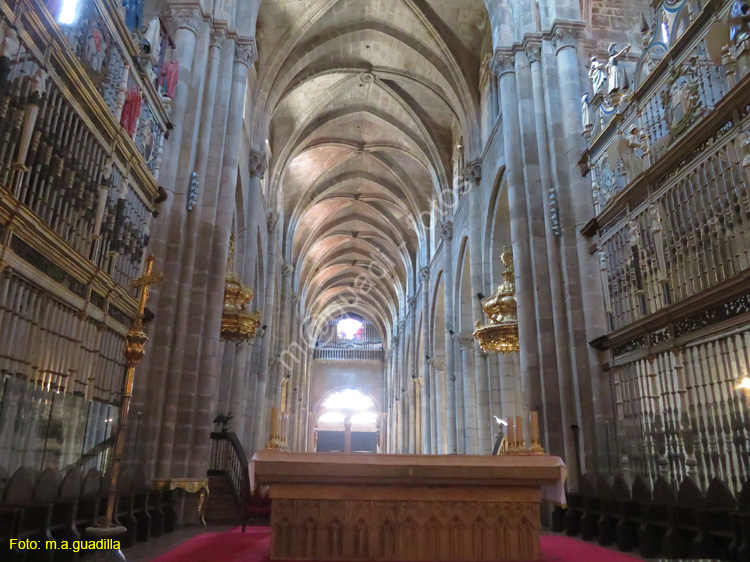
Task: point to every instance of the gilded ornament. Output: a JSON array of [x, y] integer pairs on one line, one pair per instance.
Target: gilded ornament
[[500, 335], [237, 324]]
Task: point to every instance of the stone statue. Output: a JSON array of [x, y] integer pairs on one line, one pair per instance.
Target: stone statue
[[634, 233], [168, 76], [151, 43], [39, 82], [587, 115], [739, 24], [597, 75], [9, 43], [617, 77], [131, 112], [96, 48], [133, 14]]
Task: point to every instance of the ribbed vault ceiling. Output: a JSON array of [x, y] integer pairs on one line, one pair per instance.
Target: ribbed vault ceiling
[[360, 99]]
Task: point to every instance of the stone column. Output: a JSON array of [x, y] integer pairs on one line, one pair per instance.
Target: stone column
[[296, 376], [210, 358], [424, 277], [504, 66], [466, 342], [396, 395], [388, 401], [261, 408], [576, 208], [412, 377], [473, 175], [451, 434], [559, 404], [152, 390], [283, 369]]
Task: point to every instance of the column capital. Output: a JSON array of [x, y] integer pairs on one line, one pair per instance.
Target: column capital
[[218, 36], [503, 62], [401, 326], [473, 171], [394, 341], [412, 302], [389, 354], [246, 52], [287, 270], [566, 34], [465, 340], [257, 163], [446, 230], [533, 50], [424, 274], [295, 298], [187, 17]]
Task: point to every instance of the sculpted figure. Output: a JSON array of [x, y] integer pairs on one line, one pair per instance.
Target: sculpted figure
[[739, 24], [9, 43], [597, 74], [96, 48], [617, 77], [151, 43], [168, 78], [587, 114]]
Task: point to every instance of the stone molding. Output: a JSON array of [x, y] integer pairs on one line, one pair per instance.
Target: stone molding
[[187, 17], [257, 163], [473, 171], [446, 230], [273, 220], [333, 529]]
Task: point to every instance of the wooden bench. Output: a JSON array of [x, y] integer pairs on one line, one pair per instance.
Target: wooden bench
[[606, 528], [36, 519]]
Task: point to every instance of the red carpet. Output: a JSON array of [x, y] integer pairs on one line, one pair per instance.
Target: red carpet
[[255, 544]]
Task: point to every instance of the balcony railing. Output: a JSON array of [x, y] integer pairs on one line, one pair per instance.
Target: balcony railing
[[333, 354]]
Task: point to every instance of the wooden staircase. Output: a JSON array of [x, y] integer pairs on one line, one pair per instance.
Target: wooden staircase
[[223, 506]]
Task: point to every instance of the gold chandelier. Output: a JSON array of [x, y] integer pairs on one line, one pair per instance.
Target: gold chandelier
[[500, 335], [237, 323]]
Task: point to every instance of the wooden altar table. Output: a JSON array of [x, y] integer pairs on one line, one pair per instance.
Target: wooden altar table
[[333, 506]]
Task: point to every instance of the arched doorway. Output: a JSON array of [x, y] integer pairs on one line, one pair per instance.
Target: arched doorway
[[347, 421]]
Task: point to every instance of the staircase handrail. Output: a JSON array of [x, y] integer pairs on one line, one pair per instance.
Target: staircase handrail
[[228, 457]]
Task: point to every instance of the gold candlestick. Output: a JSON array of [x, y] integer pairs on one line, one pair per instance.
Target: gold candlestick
[[535, 448], [135, 342]]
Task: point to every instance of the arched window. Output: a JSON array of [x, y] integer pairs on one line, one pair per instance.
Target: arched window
[[350, 329], [350, 400]]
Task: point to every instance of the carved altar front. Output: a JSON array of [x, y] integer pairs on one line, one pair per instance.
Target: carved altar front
[[405, 507]]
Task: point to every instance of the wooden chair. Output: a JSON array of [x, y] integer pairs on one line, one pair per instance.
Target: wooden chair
[[631, 512], [683, 521], [37, 516], [89, 501], [655, 515], [610, 497], [592, 507], [65, 501], [11, 519], [576, 505], [715, 534], [141, 505]]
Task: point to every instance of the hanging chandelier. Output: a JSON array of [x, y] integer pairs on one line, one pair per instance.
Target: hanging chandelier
[[237, 323], [500, 335]]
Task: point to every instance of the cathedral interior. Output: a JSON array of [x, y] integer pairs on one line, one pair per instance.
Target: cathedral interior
[[441, 228]]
